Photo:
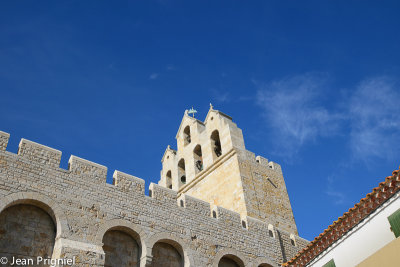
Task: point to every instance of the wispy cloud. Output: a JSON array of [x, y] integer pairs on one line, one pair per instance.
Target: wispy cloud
[[338, 196], [153, 76], [296, 110], [374, 113], [292, 108], [221, 97]]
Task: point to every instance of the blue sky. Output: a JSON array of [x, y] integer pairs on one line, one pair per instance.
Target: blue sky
[[313, 84]]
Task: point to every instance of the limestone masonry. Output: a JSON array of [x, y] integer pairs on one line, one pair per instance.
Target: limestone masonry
[[216, 204]]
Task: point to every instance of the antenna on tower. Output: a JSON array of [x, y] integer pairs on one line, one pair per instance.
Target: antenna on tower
[[192, 111]]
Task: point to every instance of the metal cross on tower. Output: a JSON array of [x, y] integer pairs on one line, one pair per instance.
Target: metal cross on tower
[[192, 111]]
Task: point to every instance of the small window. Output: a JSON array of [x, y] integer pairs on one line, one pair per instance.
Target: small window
[[394, 221], [214, 214], [182, 204], [271, 234], [150, 193], [244, 224], [330, 263]]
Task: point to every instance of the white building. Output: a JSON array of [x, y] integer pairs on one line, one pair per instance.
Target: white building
[[365, 236]]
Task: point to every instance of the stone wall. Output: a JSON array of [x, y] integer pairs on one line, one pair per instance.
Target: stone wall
[[266, 195], [220, 185], [83, 207]]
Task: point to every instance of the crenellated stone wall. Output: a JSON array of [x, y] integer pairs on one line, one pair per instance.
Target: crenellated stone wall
[[84, 209]]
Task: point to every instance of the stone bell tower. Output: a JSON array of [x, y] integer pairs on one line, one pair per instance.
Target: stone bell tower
[[211, 163]]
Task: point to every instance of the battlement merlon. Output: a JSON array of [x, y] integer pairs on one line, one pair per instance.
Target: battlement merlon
[[4, 137], [81, 166], [195, 205], [162, 194], [247, 155], [261, 160], [227, 216], [39, 153], [128, 183]]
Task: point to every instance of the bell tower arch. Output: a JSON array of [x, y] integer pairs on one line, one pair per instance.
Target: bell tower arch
[[217, 168]]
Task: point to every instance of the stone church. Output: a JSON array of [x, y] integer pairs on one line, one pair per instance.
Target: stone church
[[216, 204]]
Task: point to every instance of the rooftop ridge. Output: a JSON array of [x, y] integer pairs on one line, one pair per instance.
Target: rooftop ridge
[[348, 220]]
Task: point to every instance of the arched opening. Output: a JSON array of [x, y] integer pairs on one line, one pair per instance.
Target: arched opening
[[182, 171], [168, 179], [120, 249], [264, 265], [167, 254], [186, 135], [198, 158], [216, 144], [230, 261], [26, 231]]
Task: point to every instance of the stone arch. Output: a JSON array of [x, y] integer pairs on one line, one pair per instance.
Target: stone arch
[[118, 224], [216, 144], [187, 138], [27, 231], [181, 172], [232, 254], [198, 158], [41, 201], [263, 262], [172, 240], [123, 231], [168, 179]]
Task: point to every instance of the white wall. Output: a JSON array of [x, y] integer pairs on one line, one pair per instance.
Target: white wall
[[362, 241]]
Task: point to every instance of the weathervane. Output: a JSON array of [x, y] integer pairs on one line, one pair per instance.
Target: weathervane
[[192, 111]]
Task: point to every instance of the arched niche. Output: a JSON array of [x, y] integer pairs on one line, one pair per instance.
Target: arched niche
[[187, 138], [27, 231], [216, 144], [168, 179], [198, 159], [181, 172]]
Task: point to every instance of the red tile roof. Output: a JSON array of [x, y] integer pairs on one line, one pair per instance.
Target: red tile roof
[[355, 215]]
